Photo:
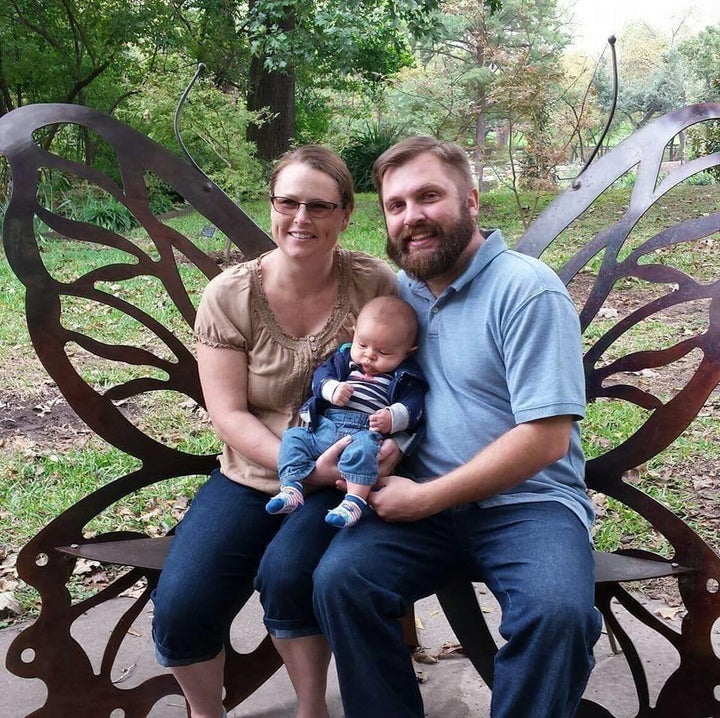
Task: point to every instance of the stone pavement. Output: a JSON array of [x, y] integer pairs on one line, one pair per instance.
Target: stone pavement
[[451, 688]]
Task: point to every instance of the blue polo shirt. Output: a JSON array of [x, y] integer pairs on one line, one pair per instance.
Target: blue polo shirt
[[501, 346]]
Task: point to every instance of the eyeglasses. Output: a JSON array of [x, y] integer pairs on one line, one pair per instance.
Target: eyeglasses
[[317, 208]]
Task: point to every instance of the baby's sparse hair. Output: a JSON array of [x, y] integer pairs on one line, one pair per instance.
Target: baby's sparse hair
[[395, 312]]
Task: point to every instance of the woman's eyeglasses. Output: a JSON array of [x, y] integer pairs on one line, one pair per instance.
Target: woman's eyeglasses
[[317, 208]]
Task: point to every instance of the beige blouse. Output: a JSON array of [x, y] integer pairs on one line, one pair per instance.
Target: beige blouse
[[234, 313]]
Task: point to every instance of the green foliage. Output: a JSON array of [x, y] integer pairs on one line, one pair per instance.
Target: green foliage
[[38, 488], [364, 148], [365, 39], [325, 46], [702, 53], [314, 109], [80, 52], [366, 231], [213, 126], [489, 82], [161, 197], [702, 179], [704, 139], [104, 211], [653, 76]]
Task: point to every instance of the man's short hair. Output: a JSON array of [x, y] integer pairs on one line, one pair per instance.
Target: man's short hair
[[449, 153]]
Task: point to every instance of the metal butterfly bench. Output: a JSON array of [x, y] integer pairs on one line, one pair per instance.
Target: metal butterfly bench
[[47, 649]]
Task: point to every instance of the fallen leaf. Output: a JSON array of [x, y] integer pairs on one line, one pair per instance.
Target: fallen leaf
[[420, 677], [9, 604], [669, 613], [97, 577], [608, 313], [83, 566], [126, 672], [449, 650], [133, 592], [421, 655], [7, 586], [181, 502]]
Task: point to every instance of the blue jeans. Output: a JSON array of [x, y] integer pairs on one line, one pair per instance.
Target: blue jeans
[[535, 558], [300, 447], [209, 572]]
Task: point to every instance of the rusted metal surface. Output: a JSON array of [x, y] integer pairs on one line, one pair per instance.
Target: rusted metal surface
[[636, 249], [594, 274], [47, 650]]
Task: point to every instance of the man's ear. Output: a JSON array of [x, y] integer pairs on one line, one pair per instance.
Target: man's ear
[[473, 202], [412, 350]]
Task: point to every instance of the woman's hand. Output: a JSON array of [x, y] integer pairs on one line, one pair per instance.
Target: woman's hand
[[326, 467]]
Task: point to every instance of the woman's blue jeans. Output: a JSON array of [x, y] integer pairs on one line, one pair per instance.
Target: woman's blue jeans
[[209, 572], [535, 558]]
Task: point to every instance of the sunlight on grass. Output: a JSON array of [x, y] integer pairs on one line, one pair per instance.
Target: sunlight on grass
[[37, 488], [669, 477], [608, 424]]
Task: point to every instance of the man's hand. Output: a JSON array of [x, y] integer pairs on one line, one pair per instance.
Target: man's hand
[[395, 498], [389, 457], [341, 395], [381, 421]]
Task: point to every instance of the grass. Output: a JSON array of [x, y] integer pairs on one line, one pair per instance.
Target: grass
[[13, 332], [37, 484]]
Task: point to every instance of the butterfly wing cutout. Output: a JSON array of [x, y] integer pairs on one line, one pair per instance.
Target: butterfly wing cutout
[[111, 355], [649, 315]]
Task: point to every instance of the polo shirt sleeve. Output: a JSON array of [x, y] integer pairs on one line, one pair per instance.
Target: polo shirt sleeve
[[543, 358]]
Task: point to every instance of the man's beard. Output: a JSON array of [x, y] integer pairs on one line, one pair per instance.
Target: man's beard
[[451, 243]]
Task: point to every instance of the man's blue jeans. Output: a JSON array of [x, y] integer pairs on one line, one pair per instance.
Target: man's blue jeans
[[535, 558]]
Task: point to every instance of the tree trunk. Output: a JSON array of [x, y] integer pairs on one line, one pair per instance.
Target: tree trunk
[[273, 92], [480, 148]]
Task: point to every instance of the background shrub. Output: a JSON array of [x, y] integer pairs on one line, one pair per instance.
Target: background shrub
[[364, 148]]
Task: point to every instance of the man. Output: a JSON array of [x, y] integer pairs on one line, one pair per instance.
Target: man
[[497, 489]]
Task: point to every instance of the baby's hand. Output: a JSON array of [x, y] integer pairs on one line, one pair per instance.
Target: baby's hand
[[381, 421], [342, 394]]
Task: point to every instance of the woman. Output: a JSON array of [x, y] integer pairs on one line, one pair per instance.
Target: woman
[[261, 328]]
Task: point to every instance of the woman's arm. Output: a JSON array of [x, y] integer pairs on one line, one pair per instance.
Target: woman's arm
[[224, 381], [223, 377]]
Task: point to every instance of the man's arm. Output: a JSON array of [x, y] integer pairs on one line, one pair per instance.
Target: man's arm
[[513, 458]]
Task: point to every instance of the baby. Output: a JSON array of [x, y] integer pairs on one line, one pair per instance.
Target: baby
[[370, 389]]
